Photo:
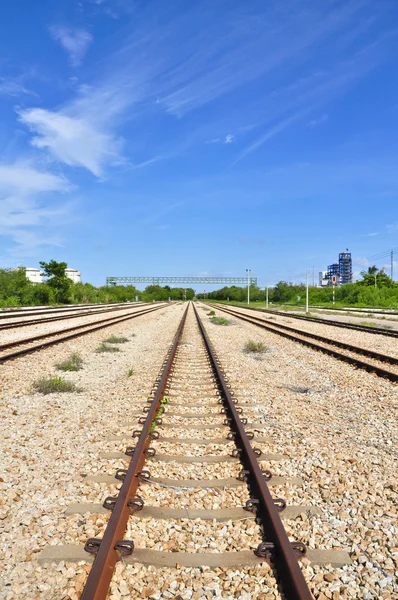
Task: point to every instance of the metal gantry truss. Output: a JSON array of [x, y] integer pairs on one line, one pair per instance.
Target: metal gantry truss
[[173, 280]]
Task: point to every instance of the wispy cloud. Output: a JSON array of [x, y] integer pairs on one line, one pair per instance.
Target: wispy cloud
[[24, 205], [74, 41], [370, 234], [229, 139], [74, 141], [13, 87]]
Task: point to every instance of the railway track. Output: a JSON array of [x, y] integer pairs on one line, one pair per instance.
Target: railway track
[[31, 344], [367, 311], [324, 344], [374, 330], [74, 315], [193, 419], [33, 312]]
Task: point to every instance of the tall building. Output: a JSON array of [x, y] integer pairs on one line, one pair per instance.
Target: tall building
[[339, 272], [345, 267], [333, 271]]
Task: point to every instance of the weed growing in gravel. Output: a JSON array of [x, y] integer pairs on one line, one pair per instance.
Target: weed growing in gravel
[[212, 312], [73, 363], [103, 347], [163, 403], [116, 339], [365, 323], [51, 385], [219, 321], [130, 372], [257, 347]]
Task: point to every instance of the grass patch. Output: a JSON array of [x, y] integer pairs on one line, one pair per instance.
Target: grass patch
[[365, 324], [51, 385], [211, 313], [163, 403], [116, 339], [256, 347], [219, 321], [130, 372], [104, 347], [73, 363]]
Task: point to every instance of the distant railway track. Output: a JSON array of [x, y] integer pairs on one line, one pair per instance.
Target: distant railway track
[[75, 315], [368, 311], [28, 345], [374, 330], [323, 344], [33, 312], [192, 363]]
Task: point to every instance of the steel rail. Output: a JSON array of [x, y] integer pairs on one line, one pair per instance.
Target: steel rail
[[74, 315], [288, 569], [111, 545], [101, 325], [281, 330], [374, 330], [350, 309], [369, 353], [32, 312]]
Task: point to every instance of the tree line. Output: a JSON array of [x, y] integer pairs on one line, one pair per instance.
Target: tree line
[[374, 288], [17, 290]]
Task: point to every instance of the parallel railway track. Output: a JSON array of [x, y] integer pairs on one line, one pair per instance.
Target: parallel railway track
[[72, 315], [324, 344], [353, 326], [192, 369], [34, 343]]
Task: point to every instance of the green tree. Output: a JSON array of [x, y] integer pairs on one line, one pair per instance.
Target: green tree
[[374, 277], [57, 279]]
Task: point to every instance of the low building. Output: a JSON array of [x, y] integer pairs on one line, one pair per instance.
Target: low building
[[34, 275], [73, 274]]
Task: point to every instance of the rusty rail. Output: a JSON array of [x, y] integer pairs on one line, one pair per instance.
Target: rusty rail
[[112, 546], [72, 315], [77, 332], [291, 315], [288, 332], [277, 544]]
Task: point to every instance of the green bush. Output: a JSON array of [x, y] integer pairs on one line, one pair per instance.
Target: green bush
[[73, 363], [219, 321], [51, 385], [115, 339], [257, 347], [103, 347]]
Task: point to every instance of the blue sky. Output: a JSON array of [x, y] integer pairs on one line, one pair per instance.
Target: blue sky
[[144, 137]]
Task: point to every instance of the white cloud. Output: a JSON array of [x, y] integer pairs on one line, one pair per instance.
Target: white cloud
[[74, 41], [23, 211], [228, 139], [13, 87], [74, 141]]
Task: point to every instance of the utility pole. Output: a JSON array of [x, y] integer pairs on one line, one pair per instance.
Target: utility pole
[[248, 285], [313, 276], [266, 297], [306, 291]]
